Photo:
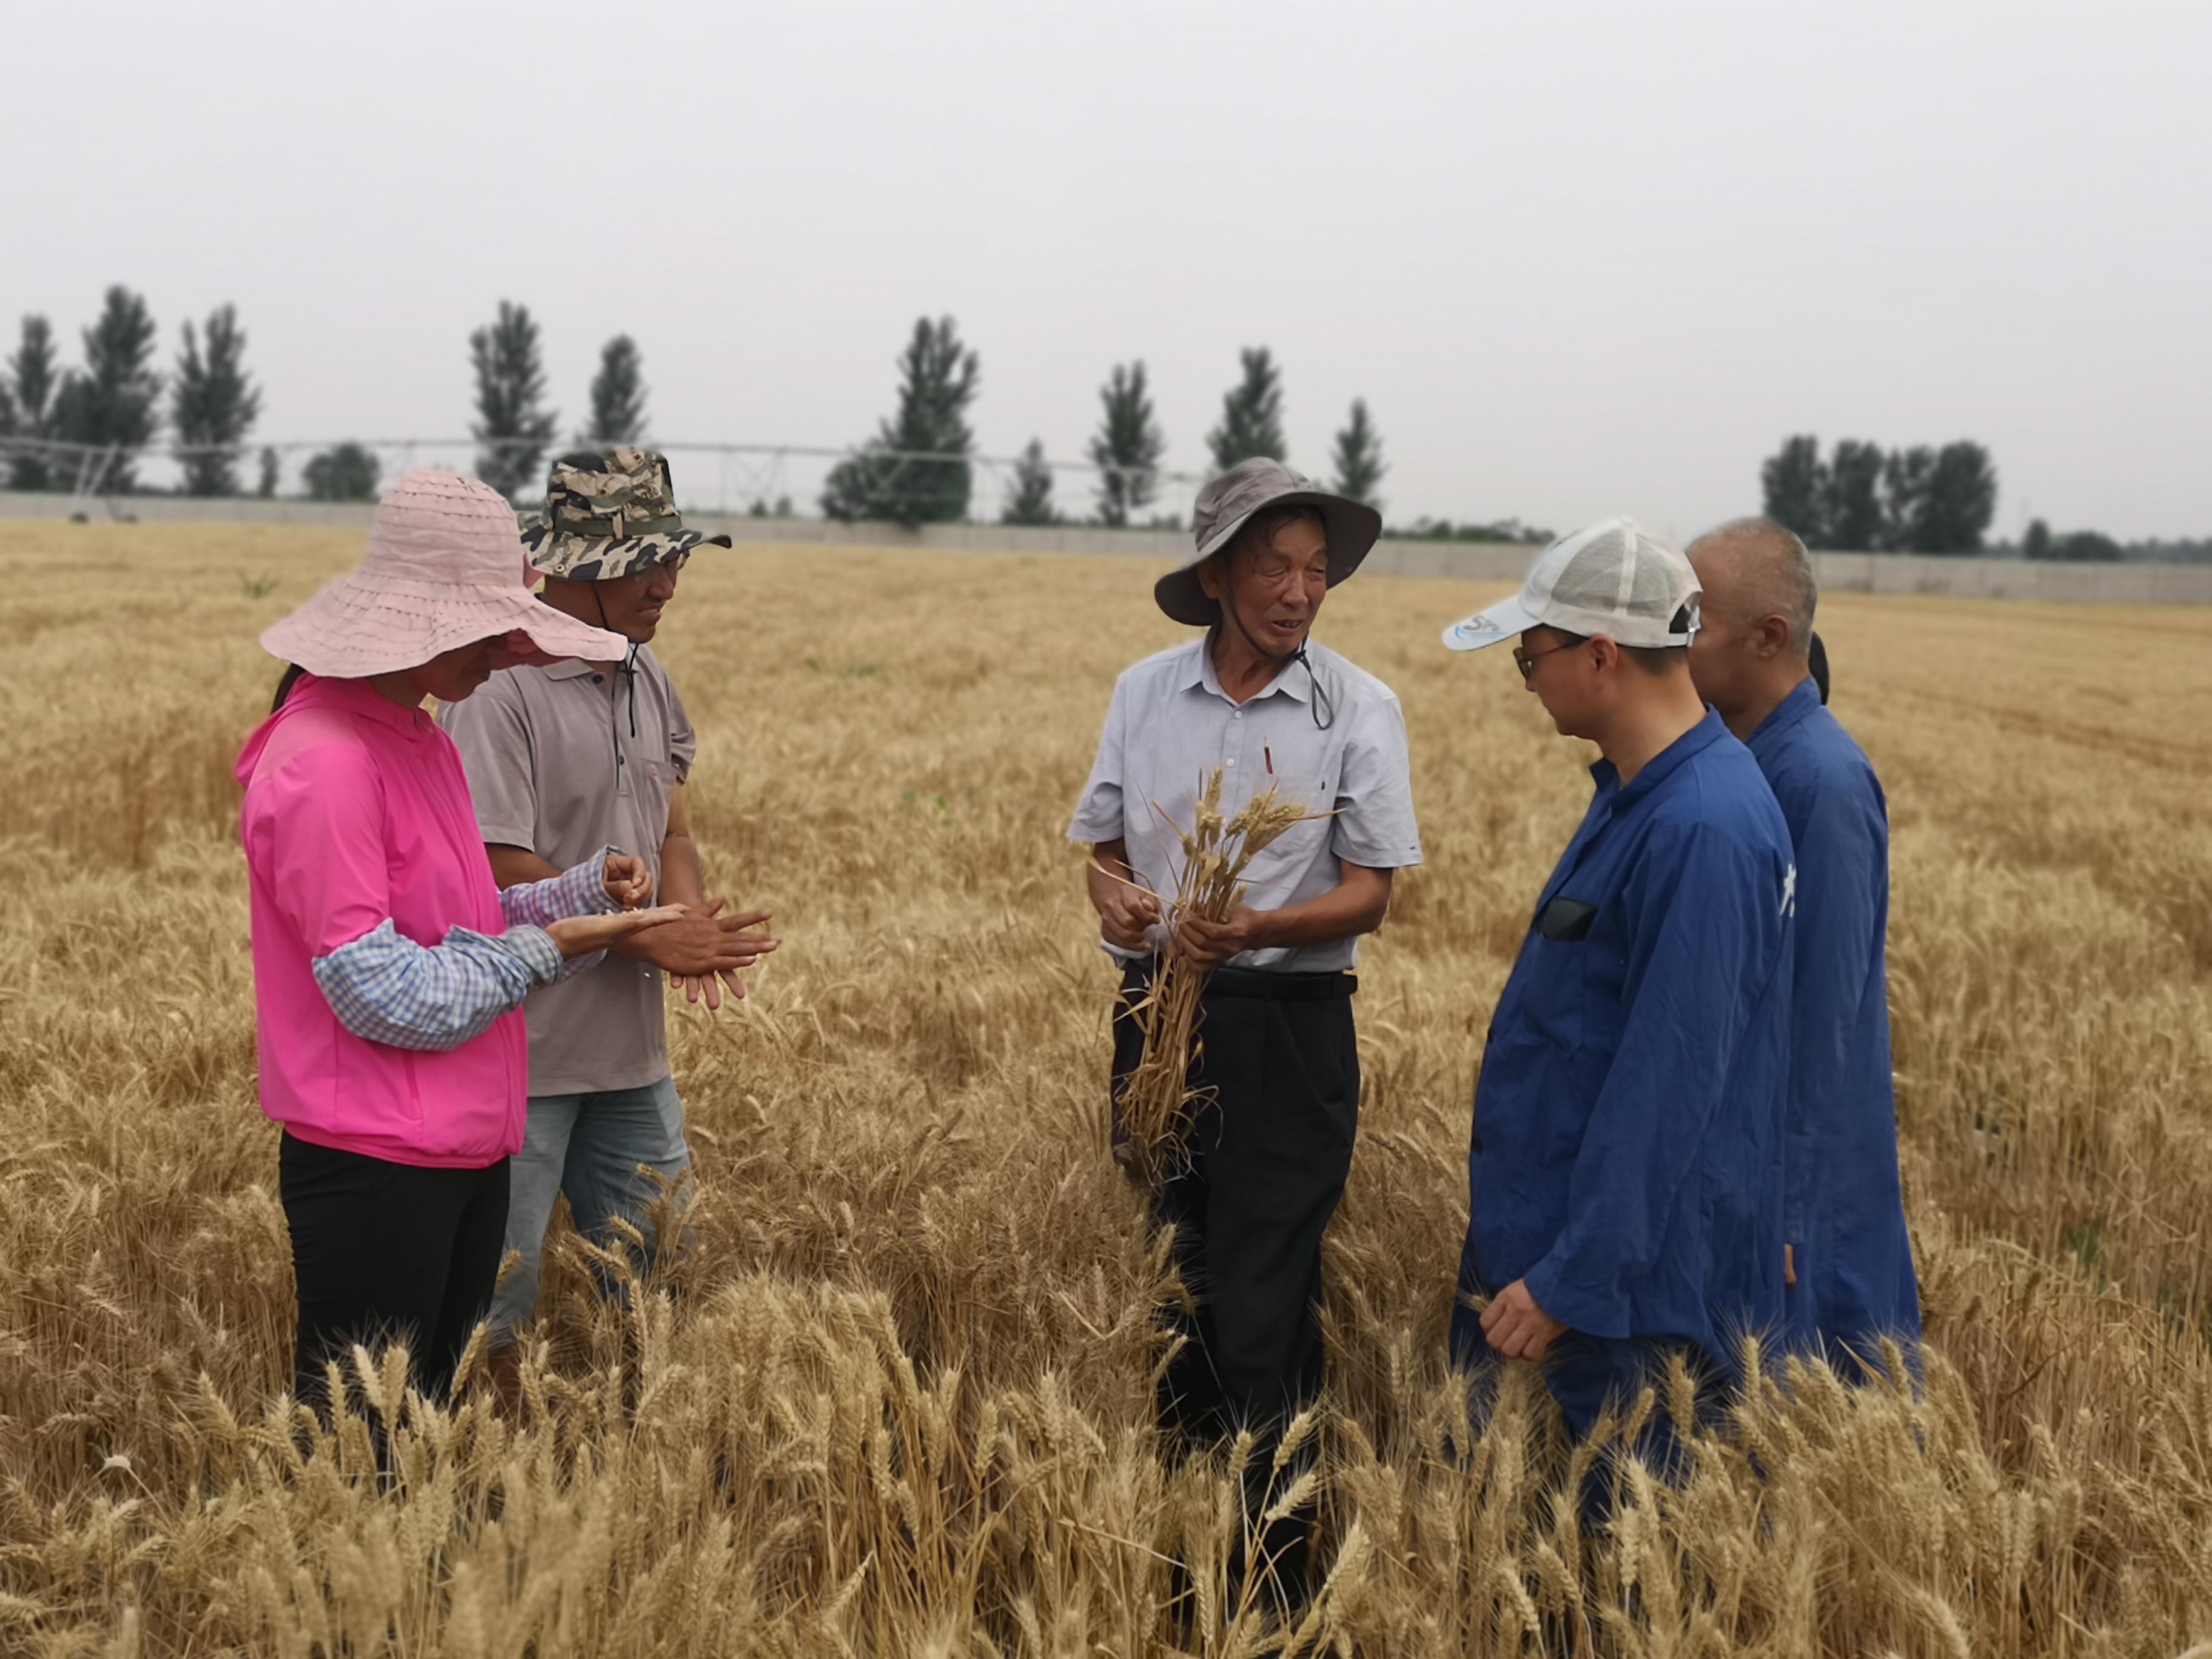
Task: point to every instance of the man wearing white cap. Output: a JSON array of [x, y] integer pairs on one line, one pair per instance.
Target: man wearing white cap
[[1272, 1146], [1625, 1169]]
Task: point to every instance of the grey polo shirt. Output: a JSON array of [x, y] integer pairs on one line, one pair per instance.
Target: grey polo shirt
[[1170, 724], [553, 766]]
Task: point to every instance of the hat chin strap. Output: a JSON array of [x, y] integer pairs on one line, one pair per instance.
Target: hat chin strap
[[1227, 606], [627, 669]]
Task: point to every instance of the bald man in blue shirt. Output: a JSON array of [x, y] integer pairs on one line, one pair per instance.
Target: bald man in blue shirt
[[1625, 1168], [1850, 1280]]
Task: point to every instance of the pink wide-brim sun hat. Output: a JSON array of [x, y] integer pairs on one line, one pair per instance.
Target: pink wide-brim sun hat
[[444, 568]]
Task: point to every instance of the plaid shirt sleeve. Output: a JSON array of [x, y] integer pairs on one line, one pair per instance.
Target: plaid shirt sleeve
[[580, 890], [387, 988]]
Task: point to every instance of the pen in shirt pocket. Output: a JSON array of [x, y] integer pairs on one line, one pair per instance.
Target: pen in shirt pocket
[[1268, 756]]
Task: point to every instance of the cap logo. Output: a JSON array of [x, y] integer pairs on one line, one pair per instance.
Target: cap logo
[[1479, 623]]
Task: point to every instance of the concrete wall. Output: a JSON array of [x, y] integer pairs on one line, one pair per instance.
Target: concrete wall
[[1856, 572], [2013, 579]]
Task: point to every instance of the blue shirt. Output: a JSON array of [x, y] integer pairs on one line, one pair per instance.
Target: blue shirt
[[1845, 1214], [1627, 1158]]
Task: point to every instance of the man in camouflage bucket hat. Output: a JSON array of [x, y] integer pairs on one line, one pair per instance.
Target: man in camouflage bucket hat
[[558, 753]]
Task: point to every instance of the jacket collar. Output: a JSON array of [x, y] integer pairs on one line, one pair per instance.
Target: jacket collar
[[1791, 712], [1661, 766]]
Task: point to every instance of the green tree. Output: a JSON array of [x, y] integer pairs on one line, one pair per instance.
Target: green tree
[[2091, 545], [514, 427], [116, 398], [213, 403], [1904, 474], [33, 376], [1029, 501], [938, 380], [270, 468], [1852, 514], [1359, 467], [2088, 545], [1128, 445], [1962, 498], [618, 394], [1251, 414], [1795, 486], [347, 473]]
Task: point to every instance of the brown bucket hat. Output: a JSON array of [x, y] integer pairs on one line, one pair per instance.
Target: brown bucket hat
[[1228, 500]]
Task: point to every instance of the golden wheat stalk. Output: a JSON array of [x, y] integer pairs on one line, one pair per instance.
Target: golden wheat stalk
[[1157, 1099]]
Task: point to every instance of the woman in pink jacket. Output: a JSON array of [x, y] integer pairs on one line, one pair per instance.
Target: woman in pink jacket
[[388, 968]]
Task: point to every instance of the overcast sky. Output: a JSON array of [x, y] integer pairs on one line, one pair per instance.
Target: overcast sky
[[1579, 258]]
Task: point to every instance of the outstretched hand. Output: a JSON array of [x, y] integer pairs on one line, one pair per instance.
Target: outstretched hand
[[703, 953], [579, 936]]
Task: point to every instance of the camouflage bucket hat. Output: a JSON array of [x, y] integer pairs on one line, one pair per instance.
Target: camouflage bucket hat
[[608, 513]]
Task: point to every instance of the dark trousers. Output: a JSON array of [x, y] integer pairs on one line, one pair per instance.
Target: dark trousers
[[1267, 1157], [385, 1252]]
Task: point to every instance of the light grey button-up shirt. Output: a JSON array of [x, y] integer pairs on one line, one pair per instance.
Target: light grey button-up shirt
[[1172, 724]]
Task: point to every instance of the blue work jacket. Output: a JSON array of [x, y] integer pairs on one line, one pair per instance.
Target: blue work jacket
[[1626, 1158], [1844, 1216]]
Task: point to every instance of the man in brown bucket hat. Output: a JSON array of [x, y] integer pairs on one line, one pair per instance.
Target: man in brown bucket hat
[[555, 755], [1279, 1066]]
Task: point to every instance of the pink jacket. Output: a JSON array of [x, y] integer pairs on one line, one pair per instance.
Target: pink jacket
[[357, 810]]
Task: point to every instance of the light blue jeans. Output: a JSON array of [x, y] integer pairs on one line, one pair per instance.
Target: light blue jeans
[[589, 1146]]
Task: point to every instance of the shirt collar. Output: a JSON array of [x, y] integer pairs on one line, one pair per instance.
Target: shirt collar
[[1200, 673], [360, 699], [571, 668], [1790, 712], [1661, 766]]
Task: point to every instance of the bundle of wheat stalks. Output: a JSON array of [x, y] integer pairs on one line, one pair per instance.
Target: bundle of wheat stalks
[[1158, 1101]]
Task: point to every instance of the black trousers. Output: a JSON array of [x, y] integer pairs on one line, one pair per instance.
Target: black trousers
[[1268, 1156], [385, 1252]]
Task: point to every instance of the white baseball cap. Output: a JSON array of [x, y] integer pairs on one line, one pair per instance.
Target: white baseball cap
[[1613, 578]]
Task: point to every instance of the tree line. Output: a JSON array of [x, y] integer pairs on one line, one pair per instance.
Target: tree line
[[916, 468], [119, 400], [116, 397], [1860, 498]]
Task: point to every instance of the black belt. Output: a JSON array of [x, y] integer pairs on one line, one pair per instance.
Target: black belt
[[1280, 987]]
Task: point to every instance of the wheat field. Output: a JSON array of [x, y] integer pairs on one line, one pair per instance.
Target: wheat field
[[894, 1400]]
